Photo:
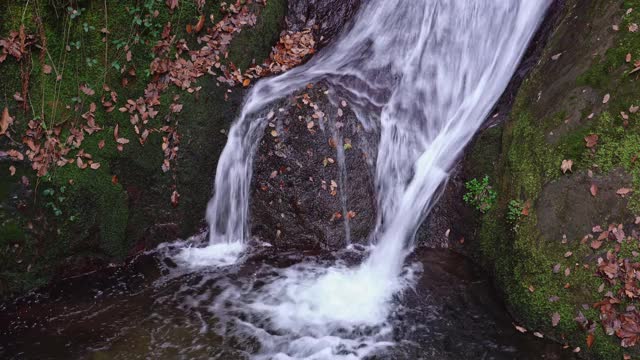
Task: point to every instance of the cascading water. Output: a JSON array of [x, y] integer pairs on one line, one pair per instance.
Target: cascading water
[[425, 74]]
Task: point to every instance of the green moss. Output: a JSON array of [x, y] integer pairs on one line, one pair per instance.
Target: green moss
[[252, 46], [524, 259]]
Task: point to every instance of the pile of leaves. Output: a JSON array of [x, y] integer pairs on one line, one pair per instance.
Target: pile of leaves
[[46, 145], [618, 313]]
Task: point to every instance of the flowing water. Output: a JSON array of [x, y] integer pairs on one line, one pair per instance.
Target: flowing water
[[422, 74]]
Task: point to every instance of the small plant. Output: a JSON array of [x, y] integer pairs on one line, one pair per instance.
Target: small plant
[[480, 194], [514, 213]]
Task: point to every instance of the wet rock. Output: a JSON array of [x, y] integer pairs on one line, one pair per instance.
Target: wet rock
[[299, 198], [326, 17]]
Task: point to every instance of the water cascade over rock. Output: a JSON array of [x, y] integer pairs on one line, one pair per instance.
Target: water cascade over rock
[[423, 75]]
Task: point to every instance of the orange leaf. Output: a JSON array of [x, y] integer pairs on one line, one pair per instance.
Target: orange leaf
[[590, 339], [199, 25], [246, 82]]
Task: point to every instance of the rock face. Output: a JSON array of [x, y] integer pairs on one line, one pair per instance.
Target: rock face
[[548, 259], [326, 17], [302, 196]]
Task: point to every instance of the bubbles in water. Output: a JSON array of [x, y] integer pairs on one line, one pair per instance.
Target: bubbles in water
[[311, 311], [220, 254]]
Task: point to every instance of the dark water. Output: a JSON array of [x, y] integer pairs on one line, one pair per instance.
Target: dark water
[[148, 309]]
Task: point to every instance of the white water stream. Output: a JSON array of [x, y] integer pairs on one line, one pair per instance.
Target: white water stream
[[426, 73]]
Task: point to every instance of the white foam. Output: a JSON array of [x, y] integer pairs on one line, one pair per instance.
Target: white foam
[[423, 75], [220, 254]]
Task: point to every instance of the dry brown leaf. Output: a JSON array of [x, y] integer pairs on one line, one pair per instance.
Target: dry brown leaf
[[555, 319], [628, 57], [5, 121], [606, 98], [633, 27], [623, 191], [591, 140], [87, 90], [596, 244], [594, 189], [95, 165], [199, 25], [172, 4], [246, 82], [590, 339], [46, 69], [12, 170], [566, 166]]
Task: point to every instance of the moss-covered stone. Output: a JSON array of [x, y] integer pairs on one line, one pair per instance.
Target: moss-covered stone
[[113, 211], [557, 106]]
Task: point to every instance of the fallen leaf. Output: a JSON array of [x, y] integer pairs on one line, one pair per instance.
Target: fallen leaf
[[101, 144], [594, 189], [310, 125], [628, 57], [556, 56], [633, 27], [538, 335], [175, 198], [46, 69], [12, 170], [623, 191], [95, 165], [615, 27], [566, 166], [87, 90], [590, 340], [606, 98], [634, 109], [5, 121], [246, 82], [568, 254], [351, 214], [591, 140], [172, 4], [555, 319], [199, 25], [520, 328], [596, 244]]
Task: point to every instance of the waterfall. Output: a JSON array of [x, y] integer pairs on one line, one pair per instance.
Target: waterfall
[[428, 73]]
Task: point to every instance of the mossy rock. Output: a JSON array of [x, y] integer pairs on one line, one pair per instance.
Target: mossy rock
[[559, 104], [124, 206]]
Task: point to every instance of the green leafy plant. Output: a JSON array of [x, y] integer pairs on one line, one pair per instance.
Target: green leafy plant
[[514, 213], [480, 194]]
